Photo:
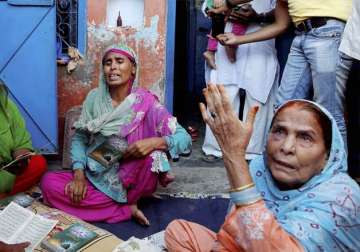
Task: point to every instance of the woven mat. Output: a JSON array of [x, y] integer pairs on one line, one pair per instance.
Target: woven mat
[[105, 242]]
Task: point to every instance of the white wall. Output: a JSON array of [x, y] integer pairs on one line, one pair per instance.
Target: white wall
[[132, 12]]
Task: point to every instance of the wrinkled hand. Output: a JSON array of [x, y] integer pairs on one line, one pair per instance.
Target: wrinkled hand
[[141, 148], [77, 188], [20, 247], [232, 135], [228, 39], [245, 14]]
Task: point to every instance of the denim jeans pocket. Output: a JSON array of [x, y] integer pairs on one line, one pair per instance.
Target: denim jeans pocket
[[329, 30]]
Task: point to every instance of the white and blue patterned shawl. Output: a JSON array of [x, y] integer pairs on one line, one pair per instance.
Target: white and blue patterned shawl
[[324, 214]]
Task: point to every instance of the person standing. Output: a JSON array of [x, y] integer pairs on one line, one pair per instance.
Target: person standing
[[310, 71], [256, 71], [347, 87]]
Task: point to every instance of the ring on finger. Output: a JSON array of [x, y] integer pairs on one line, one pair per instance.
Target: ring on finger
[[213, 114]]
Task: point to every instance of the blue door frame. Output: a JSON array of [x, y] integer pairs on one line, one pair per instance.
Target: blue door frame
[[196, 41], [170, 53], [28, 65]]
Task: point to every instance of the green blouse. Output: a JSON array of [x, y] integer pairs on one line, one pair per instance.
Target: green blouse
[[13, 133]]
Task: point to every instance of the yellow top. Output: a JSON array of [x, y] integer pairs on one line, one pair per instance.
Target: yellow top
[[300, 10]]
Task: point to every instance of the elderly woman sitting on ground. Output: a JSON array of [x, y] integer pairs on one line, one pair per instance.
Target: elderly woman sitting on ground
[[297, 197], [119, 148]]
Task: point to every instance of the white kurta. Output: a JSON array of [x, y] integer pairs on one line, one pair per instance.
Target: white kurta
[[256, 71], [350, 43]]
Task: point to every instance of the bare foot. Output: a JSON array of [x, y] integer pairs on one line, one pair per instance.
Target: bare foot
[[231, 53], [139, 216], [210, 59], [165, 178]]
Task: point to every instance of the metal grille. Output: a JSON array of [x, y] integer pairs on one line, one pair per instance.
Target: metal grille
[[67, 23]]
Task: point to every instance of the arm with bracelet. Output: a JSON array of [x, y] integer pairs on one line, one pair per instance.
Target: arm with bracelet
[[233, 137], [241, 183], [297, 196]]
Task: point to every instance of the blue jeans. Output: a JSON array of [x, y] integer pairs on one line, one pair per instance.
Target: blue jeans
[[342, 73], [310, 71]]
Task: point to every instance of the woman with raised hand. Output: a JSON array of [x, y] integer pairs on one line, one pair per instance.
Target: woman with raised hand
[[296, 197], [133, 122]]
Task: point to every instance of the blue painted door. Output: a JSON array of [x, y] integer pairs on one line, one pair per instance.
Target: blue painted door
[[28, 65], [199, 36], [186, 37], [170, 54]]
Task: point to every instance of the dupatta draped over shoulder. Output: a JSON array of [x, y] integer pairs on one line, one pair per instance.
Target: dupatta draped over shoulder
[[139, 116], [323, 214]]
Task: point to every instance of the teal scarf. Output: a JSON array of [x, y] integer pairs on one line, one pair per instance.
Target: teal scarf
[[98, 115], [323, 214]]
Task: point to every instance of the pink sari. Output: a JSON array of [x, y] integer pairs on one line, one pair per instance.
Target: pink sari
[[136, 175]]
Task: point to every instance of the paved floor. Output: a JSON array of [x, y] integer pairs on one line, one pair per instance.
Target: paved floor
[[195, 176]]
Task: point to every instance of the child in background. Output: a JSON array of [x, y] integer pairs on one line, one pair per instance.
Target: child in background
[[217, 27]]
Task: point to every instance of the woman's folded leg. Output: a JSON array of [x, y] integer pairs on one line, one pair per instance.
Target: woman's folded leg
[[183, 236], [96, 206], [31, 174]]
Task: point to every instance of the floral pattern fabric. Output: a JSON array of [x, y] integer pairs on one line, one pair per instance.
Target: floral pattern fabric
[[145, 117]]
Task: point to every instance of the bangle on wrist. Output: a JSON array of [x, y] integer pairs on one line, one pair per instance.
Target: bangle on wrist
[[245, 197], [248, 203], [242, 188]]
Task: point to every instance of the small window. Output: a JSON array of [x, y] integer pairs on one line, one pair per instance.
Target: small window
[[71, 25]]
